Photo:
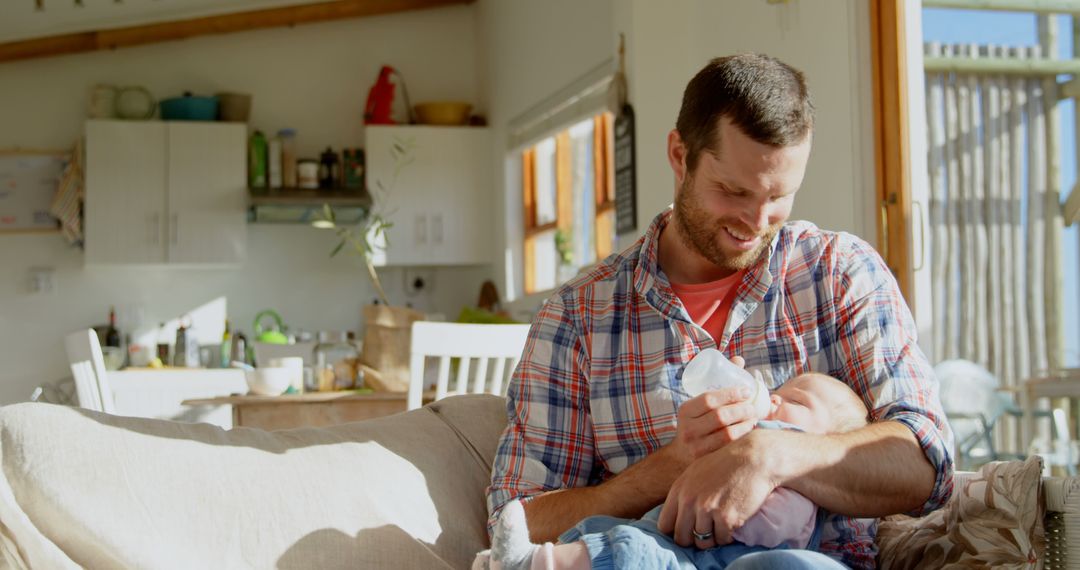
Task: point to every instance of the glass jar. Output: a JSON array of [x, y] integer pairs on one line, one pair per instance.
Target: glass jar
[[335, 363]]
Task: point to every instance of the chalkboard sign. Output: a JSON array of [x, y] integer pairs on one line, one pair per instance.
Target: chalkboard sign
[[625, 179], [28, 181]]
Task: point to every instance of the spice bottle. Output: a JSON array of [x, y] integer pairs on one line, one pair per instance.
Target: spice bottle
[[288, 157]]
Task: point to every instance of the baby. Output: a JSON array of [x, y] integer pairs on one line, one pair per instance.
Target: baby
[[814, 403]]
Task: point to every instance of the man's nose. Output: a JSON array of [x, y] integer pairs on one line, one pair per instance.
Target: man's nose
[[757, 217]]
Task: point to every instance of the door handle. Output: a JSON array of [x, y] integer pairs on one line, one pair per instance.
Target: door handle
[[154, 228], [918, 207], [174, 228], [420, 225], [437, 229]]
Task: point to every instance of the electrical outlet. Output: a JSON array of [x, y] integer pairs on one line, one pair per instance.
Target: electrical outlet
[[417, 281], [41, 280]]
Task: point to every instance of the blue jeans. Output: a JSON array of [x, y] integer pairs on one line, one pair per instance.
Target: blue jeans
[[626, 543]]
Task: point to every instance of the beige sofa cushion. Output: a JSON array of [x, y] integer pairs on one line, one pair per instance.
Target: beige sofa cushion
[[404, 491]]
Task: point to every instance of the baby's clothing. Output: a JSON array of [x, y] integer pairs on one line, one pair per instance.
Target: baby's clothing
[[627, 543], [787, 520]]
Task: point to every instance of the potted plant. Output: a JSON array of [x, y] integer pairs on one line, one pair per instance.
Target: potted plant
[[387, 328]]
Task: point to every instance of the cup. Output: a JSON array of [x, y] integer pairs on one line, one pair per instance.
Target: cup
[[295, 365], [102, 102]]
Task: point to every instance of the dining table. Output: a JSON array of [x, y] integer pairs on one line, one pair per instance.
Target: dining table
[[311, 409]]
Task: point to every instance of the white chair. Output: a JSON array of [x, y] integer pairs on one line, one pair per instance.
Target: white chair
[[88, 368], [503, 343]]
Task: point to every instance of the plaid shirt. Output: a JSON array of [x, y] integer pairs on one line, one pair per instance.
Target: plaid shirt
[[600, 380]]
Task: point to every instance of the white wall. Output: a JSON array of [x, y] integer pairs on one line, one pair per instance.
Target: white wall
[[828, 41], [667, 42], [314, 78], [526, 51]]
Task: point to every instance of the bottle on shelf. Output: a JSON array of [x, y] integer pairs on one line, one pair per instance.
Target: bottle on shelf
[[274, 162], [329, 169], [226, 346], [288, 157], [112, 335], [257, 160]]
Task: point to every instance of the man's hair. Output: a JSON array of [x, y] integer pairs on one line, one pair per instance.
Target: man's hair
[[764, 97]]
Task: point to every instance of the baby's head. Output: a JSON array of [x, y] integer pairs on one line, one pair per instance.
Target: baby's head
[[818, 404]]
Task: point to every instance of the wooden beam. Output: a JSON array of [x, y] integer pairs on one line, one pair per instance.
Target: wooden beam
[[891, 139], [223, 24]]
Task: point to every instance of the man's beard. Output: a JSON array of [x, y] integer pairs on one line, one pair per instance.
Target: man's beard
[[701, 233]]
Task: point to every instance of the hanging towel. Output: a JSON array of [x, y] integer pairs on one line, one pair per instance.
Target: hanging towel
[[66, 205]]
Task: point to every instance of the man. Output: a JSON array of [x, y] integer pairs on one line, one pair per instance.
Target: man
[[598, 420]]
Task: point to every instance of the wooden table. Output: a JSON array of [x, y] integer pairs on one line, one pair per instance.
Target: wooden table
[[1057, 384], [315, 409]]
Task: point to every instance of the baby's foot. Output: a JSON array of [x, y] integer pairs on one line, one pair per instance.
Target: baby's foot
[[510, 546], [482, 561]]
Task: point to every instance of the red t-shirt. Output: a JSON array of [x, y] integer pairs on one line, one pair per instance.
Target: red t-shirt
[[709, 303]]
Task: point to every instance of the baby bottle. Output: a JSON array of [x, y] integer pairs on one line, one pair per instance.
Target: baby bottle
[[710, 370]]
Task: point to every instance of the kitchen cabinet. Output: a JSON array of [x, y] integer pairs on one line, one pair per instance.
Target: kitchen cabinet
[[165, 192], [437, 195]]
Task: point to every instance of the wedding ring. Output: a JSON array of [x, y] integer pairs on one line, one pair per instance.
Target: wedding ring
[[702, 536]]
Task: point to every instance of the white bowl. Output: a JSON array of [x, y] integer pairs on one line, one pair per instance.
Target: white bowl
[[272, 381]]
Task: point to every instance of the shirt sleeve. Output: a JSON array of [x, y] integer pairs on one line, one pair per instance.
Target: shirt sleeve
[[548, 440], [878, 354]]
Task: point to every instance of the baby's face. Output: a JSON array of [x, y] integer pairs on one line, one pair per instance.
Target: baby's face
[[802, 401]]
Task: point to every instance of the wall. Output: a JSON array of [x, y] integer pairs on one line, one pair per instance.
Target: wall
[[828, 41], [667, 42], [314, 78], [526, 52]]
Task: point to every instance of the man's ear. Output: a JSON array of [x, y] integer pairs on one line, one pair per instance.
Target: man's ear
[[676, 152]]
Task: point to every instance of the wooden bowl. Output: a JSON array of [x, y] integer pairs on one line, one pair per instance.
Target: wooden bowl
[[443, 113]]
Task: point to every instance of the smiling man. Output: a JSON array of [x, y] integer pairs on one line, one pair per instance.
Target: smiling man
[[598, 421]]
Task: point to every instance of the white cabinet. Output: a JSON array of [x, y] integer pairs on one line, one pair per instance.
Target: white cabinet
[[440, 199], [165, 192]]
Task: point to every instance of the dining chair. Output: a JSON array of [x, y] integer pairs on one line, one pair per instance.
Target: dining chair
[[88, 367], [498, 344]]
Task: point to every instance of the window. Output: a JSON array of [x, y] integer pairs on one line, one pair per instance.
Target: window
[[568, 202]]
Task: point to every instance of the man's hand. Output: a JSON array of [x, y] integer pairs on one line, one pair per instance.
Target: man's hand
[[710, 421], [719, 492]]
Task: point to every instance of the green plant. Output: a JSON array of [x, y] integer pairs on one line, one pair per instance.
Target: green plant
[[564, 247], [369, 234]]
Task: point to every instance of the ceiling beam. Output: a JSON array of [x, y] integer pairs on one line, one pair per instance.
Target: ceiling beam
[[223, 24]]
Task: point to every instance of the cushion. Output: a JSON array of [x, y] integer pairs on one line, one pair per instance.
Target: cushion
[[994, 519], [107, 492]]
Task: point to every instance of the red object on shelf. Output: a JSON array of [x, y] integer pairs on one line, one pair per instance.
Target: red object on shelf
[[380, 101]]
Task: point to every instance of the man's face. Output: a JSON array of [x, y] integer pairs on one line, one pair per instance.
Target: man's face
[[729, 208]]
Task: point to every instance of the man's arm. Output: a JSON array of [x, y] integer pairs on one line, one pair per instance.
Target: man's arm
[[706, 423], [877, 470], [630, 494], [871, 472]]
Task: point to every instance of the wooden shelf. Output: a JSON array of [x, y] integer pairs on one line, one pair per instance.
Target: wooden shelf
[[309, 196]]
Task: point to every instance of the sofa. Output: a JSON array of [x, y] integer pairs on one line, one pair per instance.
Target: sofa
[[85, 489]]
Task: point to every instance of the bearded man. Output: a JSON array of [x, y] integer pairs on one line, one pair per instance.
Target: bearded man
[[599, 423]]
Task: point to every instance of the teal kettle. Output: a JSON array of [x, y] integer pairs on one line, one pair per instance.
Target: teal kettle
[[272, 335]]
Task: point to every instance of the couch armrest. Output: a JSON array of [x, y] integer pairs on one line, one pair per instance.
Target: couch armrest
[[1062, 521]]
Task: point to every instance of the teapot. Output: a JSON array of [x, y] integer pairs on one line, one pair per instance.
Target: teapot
[[273, 335]]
